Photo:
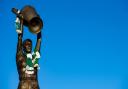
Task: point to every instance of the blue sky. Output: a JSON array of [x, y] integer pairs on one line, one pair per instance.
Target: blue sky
[[84, 44]]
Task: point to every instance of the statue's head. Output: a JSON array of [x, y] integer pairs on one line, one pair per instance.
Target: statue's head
[[27, 46]]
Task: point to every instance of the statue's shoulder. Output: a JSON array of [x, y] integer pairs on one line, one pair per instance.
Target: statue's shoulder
[[20, 57]]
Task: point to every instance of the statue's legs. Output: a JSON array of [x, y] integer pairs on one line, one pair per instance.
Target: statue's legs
[[28, 84]]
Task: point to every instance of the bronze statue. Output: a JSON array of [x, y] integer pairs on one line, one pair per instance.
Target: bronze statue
[[26, 60]]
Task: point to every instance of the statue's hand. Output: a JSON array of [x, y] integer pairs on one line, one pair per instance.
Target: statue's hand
[[18, 26], [19, 23]]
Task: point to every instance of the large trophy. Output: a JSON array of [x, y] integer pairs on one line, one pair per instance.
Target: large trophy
[[30, 18], [26, 59]]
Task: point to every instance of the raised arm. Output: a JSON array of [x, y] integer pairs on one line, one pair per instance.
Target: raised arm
[[38, 43], [19, 44]]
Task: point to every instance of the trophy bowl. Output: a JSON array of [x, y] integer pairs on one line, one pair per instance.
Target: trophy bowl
[[31, 19]]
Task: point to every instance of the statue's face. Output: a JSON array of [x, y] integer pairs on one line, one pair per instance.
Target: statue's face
[[27, 46]]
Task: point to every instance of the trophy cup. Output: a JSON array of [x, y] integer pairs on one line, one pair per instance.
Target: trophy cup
[[30, 18]]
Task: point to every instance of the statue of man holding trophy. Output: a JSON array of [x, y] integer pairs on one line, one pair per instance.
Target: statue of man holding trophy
[[26, 60]]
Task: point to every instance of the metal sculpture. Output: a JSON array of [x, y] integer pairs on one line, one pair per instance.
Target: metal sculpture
[[26, 60]]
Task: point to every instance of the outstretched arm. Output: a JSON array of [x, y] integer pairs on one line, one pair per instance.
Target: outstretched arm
[[38, 43]]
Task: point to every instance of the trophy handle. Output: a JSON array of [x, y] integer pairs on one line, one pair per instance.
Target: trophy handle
[[16, 11]]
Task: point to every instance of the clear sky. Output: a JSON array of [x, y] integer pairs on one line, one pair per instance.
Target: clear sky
[[85, 44]]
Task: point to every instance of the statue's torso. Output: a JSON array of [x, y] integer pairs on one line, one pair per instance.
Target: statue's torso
[[27, 81]]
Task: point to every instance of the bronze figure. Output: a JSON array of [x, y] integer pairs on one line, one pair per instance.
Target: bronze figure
[[26, 60]]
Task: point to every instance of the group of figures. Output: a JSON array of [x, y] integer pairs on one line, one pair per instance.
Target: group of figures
[[26, 60]]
